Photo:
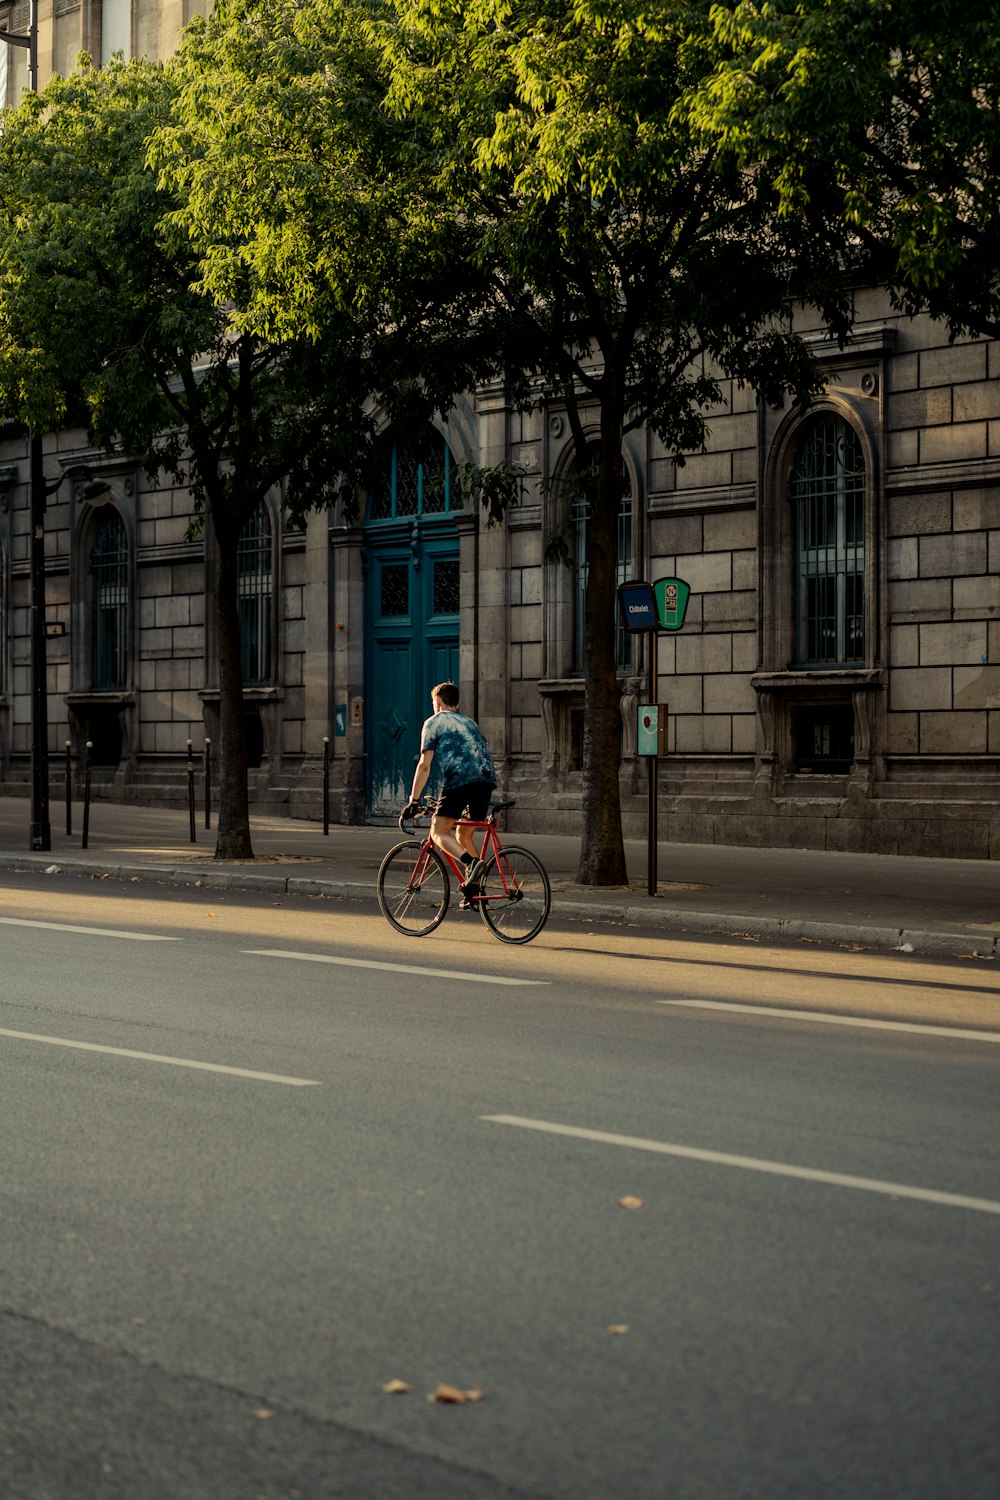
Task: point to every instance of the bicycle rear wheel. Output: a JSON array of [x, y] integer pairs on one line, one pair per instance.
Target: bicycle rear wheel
[[516, 896], [413, 888]]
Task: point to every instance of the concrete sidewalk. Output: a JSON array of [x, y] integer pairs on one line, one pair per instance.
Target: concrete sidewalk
[[949, 907]]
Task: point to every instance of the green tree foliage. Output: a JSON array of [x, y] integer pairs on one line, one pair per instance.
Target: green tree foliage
[[308, 203], [634, 262], [887, 114], [99, 311], [110, 308], [604, 251]]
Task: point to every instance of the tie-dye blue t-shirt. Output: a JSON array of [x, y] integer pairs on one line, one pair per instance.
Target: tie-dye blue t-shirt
[[461, 754]]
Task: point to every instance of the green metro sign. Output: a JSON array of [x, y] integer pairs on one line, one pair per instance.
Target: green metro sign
[[671, 596]]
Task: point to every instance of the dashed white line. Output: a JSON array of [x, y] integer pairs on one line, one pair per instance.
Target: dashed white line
[[371, 963], [111, 932], [827, 1020], [158, 1057], [751, 1164]]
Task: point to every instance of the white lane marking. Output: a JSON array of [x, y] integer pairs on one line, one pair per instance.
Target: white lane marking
[[135, 937], [371, 963], [752, 1164], [158, 1057], [825, 1020]]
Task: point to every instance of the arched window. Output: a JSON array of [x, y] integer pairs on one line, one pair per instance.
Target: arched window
[[579, 511], [418, 480], [109, 594], [253, 598], [827, 491]]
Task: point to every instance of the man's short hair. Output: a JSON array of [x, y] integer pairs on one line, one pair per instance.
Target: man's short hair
[[447, 692]]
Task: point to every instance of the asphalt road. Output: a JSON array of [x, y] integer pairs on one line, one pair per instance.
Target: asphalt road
[[263, 1158]]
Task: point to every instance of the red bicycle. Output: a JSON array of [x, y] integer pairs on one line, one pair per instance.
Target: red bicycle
[[414, 884]]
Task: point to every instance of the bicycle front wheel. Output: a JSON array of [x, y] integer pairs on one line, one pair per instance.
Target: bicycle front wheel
[[516, 896], [413, 888]]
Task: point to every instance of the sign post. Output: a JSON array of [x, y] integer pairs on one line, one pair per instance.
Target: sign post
[[639, 614], [647, 609], [652, 830]]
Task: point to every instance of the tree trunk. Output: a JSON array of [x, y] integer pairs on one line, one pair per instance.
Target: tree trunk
[[233, 840], [602, 852]]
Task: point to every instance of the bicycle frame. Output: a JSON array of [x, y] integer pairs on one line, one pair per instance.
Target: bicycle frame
[[491, 847], [415, 879]]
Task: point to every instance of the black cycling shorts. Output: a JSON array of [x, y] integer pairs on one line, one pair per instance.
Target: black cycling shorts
[[471, 801]]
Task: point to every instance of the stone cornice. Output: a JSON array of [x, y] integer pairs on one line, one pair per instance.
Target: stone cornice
[[960, 474], [716, 497], [872, 342], [796, 678]]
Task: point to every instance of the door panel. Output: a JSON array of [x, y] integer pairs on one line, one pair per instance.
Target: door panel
[[412, 644], [389, 724]]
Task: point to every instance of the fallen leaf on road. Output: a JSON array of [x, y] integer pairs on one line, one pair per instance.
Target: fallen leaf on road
[[396, 1388], [618, 1328], [263, 1413], [138, 1322], [448, 1393], [629, 1202], [451, 1395]]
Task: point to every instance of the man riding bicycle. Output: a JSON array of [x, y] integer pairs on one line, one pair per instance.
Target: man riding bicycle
[[468, 781]]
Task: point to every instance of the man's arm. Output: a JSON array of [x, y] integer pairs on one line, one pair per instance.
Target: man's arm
[[421, 772]]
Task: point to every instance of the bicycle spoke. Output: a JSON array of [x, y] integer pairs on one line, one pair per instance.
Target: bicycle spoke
[[516, 896], [413, 888]]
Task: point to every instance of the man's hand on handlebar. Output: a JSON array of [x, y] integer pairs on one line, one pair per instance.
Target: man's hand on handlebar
[[411, 810]]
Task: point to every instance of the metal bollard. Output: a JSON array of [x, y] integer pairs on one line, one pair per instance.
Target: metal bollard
[[69, 791], [326, 783], [208, 783], [191, 791], [86, 795]]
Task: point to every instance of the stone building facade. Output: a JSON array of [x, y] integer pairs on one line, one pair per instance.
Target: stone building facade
[[836, 683]]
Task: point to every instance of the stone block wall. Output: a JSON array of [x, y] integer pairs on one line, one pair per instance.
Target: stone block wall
[[944, 624], [703, 529]]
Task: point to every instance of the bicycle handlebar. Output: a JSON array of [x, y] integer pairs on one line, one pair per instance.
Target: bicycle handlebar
[[411, 813], [414, 810]]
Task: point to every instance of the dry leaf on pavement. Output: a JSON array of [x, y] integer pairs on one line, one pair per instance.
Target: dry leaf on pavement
[[452, 1396], [629, 1202], [396, 1388], [618, 1328]]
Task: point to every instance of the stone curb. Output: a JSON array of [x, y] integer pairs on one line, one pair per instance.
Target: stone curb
[[754, 928]]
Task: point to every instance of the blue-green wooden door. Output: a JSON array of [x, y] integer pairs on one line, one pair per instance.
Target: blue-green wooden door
[[412, 643]]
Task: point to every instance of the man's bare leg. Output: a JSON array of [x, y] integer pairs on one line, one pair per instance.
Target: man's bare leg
[[444, 836]]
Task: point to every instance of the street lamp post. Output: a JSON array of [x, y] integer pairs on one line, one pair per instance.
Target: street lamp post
[[40, 834], [40, 831]]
